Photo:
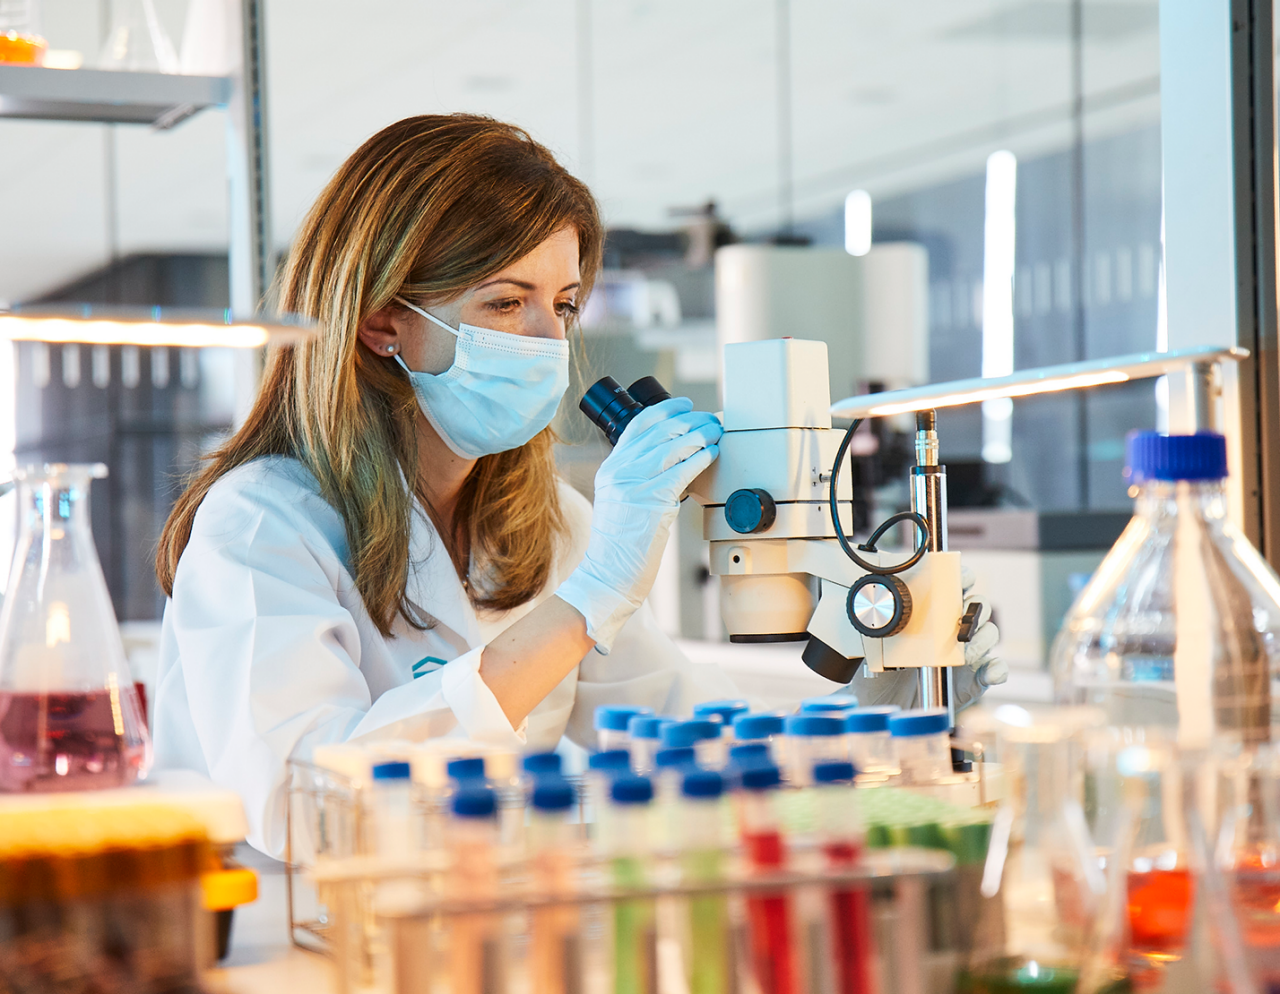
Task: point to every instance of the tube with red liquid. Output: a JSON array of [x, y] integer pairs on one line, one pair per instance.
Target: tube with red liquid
[[841, 837], [769, 915]]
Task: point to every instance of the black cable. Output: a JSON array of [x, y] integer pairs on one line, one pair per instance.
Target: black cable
[[912, 516]]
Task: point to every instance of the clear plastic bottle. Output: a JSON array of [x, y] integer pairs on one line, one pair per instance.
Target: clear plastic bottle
[[766, 727], [611, 725], [699, 838], [813, 738], [700, 734], [723, 711], [645, 731], [625, 842], [69, 714], [922, 744], [1180, 625], [870, 744], [551, 843], [391, 804]]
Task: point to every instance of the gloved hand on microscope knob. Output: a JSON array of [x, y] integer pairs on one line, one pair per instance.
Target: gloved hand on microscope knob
[[981, 669]]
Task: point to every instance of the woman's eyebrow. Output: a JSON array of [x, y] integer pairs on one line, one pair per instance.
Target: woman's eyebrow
[[523, 285]]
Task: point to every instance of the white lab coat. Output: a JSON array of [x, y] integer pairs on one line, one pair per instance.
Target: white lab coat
[[267, 649]]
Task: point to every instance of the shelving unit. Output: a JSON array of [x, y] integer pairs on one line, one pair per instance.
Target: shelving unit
[[95, 96]]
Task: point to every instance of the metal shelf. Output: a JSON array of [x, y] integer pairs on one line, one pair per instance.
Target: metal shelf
[[158, 99]]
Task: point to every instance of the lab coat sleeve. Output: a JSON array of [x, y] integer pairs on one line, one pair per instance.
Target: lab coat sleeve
[[646, 668], [271, 658]]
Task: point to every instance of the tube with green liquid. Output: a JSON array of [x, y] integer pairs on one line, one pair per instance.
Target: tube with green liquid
[[624, 842], [706, 939]]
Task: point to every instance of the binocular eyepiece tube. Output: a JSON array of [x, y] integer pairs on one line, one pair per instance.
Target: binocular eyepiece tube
[[610, 407]]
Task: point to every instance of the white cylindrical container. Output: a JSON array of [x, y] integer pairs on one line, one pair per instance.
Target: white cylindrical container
[[765, 727], [813, 738], [645, 731], [391, 795], [703, 736], [870, 744], [922, 742], [611, 725]]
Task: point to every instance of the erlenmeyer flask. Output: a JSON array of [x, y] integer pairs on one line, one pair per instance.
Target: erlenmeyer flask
[[69, 716], [1041, 883], [137, 41]]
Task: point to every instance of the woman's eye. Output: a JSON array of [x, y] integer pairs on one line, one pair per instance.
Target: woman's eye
[[503, 306], [566, 308]]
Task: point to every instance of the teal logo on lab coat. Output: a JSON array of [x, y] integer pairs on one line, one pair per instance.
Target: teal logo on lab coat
[[427, 664]]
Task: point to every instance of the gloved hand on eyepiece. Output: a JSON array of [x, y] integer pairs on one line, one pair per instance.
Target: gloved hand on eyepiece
[[981, 668], [638, 490]]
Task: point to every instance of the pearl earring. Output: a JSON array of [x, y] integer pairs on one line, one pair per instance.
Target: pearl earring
[[391, 348]]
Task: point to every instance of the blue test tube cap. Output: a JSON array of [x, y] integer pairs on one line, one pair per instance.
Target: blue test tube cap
[[609, 761], [466, 768], [756, 726], [726, 711], [828, 703], [749, 752], [870, 719], [631, 789], [538, 763], [766, 776], [648, 726], [702, 784], [813, 724], [835, 772], [685, 733], [474, 800], [552, 793], [673, 759], [927, 721], [396, 770], [614, 717]]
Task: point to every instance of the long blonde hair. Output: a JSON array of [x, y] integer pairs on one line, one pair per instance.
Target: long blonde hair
[[425, 209]]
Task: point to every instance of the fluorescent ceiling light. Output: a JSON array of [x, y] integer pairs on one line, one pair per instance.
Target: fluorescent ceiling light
[[151, 327], [857, 223], [999, 234], [1047, 379]]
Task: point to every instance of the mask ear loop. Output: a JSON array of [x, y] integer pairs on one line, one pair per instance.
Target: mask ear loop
[[429, 317]]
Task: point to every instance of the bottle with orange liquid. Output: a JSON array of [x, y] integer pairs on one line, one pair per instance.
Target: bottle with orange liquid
[[20, 41]]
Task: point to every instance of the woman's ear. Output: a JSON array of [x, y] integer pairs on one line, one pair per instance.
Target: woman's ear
[[380, 331]]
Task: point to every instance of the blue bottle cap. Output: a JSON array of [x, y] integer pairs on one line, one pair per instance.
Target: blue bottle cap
[[665, 759], [631, 789], [833, 772], [932, 721], [749, 752], [614, 717], [541, 762], [726, 711], [756, 726], [552, 793], [466, 768], [870, 719], [1152, 456], [648, 726], [474, 800], [814, 724], [391, 771], [610, 759], [702, 783], [828, 703], [686, 733], [763, 777]]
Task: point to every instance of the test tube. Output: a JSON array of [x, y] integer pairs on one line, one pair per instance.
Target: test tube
[[645, 731], [701, 843], [624, 839], [393, 816], [870, 744], [834, 704], [769, 916], [765, 727], [725, 711], [922, 743], [554, 950], [703, 735], [611, 725], [602, 767], [813, 738], [474, 944], [841, 838]]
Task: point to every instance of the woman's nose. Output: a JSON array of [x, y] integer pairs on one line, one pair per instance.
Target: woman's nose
[[545, 323]]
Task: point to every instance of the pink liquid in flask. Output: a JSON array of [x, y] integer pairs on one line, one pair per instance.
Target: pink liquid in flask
[[69, 741]]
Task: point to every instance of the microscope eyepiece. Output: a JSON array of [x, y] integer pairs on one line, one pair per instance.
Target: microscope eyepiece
[[610, 408]]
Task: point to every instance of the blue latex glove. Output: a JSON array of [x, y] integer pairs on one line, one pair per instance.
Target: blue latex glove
[[981, 669], [638, 490]]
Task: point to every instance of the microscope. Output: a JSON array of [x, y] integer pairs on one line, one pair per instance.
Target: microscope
[[777, 516]]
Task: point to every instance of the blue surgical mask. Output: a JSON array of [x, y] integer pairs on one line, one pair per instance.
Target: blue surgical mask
[[501, 390]]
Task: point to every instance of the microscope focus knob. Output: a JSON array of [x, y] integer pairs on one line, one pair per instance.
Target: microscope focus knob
[[750, 511], [879, 606]]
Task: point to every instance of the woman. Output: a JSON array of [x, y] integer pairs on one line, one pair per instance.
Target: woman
[[384, 550]]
